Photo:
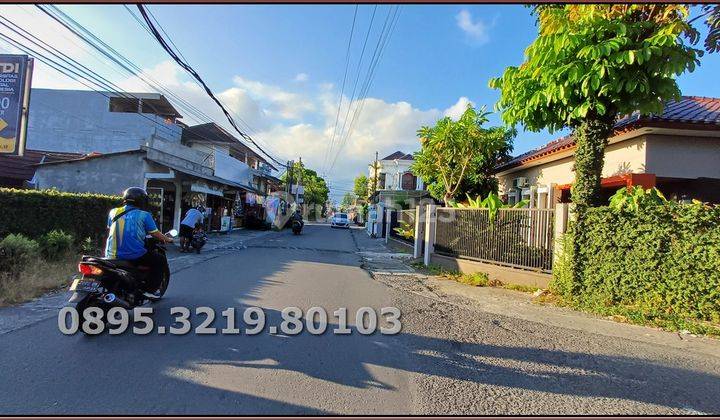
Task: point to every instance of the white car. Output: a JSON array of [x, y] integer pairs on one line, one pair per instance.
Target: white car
[[340, 220]]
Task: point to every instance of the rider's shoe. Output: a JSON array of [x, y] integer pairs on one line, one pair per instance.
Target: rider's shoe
[[151, 295]]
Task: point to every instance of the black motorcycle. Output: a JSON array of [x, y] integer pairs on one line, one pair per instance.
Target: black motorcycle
[[106, 283], [296, 227], [198, 241]]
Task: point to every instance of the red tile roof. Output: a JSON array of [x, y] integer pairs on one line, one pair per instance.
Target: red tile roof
[[690, 109], [16, 169]]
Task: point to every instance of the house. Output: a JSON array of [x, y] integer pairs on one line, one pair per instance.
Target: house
[[395, 185], [139, 142], [83, 121], [677, 151], [212, 138], [19, 171], [234, 160]]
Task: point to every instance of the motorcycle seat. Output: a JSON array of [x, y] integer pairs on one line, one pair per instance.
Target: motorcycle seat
[[116, 263]]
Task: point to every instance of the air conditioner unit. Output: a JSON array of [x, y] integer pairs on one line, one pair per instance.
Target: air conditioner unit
[[520, 182]]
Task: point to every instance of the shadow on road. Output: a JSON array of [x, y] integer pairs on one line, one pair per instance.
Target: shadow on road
[[46, 372]]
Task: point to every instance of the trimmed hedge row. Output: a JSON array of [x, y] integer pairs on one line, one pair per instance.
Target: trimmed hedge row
[[34, 213], [662, 261]]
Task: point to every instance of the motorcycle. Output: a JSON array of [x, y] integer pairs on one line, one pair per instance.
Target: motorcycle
[[198, 241], [296, 227], [105, 283]]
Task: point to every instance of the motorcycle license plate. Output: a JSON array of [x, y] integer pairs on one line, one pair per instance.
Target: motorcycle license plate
[[84, 285]]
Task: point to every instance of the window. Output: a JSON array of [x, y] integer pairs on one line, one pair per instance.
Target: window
[[381, 181], [409, 181], [124, 105]]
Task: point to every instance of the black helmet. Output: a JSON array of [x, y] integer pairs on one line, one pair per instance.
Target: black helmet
[[136, 196]]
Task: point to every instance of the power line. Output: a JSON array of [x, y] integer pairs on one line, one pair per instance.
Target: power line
[[377, 54], [65, 65], [359, 68], [67, 72], [193, 73], [141, 23], [114, 56], [328, 151]]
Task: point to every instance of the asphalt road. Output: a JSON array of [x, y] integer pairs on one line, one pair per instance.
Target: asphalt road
[[447, 360]]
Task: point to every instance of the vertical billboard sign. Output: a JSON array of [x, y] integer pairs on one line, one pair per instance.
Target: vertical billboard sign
[[15, 75]]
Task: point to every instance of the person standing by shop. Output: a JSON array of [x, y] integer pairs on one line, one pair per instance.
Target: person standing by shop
[[192, 218]]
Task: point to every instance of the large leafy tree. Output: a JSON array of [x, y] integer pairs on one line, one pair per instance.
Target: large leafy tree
[[588, 65], [360, 187], [347, 201], [316, 190], [457, 157]]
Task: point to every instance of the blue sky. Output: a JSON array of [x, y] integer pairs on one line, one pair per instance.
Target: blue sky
[[280, 68]]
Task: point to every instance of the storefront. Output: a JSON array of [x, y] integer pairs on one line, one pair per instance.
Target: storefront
[[162, 203]]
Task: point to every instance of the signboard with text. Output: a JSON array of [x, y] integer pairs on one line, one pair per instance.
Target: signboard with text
[[15, 75]]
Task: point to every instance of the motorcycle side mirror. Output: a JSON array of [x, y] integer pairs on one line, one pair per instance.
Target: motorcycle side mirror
[[173, 233]]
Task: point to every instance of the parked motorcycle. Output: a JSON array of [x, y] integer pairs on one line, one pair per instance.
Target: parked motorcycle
[[198, 241], [106, 283], [296, 227]]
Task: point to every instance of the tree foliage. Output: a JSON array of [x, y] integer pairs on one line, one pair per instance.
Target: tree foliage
[[360, 186], [316, 190], [347, 201], [591, 63], [655, 262], [458, 157]]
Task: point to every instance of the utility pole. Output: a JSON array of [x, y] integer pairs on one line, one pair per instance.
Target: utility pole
[[297, 190], [375, 179], [288, 186]]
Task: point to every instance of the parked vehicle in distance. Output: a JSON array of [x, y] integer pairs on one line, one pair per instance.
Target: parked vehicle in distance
[[340, 220]]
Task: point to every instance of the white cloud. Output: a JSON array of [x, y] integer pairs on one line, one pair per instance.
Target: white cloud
[[292, 123], [476, 31], [457, 110], [301, 77], [278, 102]]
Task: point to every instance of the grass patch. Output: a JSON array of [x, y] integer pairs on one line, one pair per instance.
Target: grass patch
[[478, 279], [520, 288], [35, 279], [638, 316]]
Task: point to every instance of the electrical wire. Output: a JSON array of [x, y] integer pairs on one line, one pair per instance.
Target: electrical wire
[[328, 150], [194, 73], [377, 54], [146, 29], [69, 67]]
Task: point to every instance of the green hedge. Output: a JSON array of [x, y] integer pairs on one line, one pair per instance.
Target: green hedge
[[662, 262], [34, 213]]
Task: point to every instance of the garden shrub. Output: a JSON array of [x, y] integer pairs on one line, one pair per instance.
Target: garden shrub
[[660, 261], [55, 244], [34, 213], [16, 252]]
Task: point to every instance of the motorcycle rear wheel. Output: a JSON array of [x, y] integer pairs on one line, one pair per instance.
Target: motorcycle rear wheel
[[164, 283]]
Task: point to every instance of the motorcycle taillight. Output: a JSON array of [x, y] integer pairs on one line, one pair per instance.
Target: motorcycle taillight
[[89, 269]]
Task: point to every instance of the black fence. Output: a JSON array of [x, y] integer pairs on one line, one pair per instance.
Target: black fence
[[520, 238], [403, 220]]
